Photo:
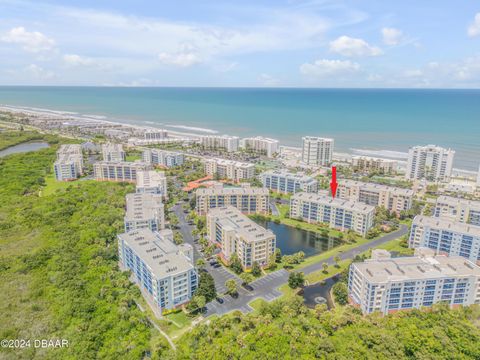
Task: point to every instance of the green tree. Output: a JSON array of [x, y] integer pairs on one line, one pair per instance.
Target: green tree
[[231, 286], [295, 279], [235, 264], [340, 292], [325, 267], [247, 278], [256, 269], [206, 287], [278, 255], [337, 261]]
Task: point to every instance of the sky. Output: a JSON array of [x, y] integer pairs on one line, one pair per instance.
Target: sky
[[248, 43]]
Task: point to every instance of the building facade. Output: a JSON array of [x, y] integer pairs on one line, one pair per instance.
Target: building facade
[[262, 145], [144, 211], [220, 142], [368, 164], [387, 285], [430, 162], [152, 182], [317, 151], [113, 152], [118, 171], [337, 213], [155, 134], [456, 209], [69, 163], [229, 169], [235, 233], [286, 182], [164, 158]]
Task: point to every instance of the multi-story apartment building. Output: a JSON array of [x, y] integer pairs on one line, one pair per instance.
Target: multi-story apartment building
[[286, 182], [235, 233], [461, 210], [220, 142], [229, 169], [118, 171], [144, 211], [69, 163], [430, 162], [247, 199], [337, 213], [386, 284], [155, 134], [163, 158], [369, 164], [152, 182], [260, 145], [162, 270], [392, 198], [446, 237], [317, 151], [113, 152]]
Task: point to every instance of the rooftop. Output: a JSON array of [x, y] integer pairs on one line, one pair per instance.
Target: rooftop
[[446, 224], [148, 178], [375, 187], [222, 190], [328, 200], [458, 201], [316, 138], [142, 206], [137, 164], [297, 176], [226, 162]]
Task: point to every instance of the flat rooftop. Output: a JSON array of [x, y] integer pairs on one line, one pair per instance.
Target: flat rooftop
[[240, 190], [290, 175], [136, 164], [112, 147], [446, 224], [149, 178], [366, 186], [450, 200], [321, 198], [141, 206], [373, 158], [226, 162]]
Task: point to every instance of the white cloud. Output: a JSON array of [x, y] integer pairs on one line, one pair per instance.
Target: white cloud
[[325, 67], [474, 28], [268, 80], [32, 41], [348, 46], [391, 36], [38, 72], [77, 60], [180, 59]]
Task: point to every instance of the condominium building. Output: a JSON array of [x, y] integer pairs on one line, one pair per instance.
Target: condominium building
[[155, 134], [118, 171], [387, 284], [286, 182], [247, 199], [392, 198], [164, 158], [317, 151], [446, 237], [229, 169], [235, 233], [337, 213], [113, 152], [220, 142], [152, 182], [456, 209], [69, 163], [430, 162], [369, 164], [144, 211], [261, 145], [162, 270]]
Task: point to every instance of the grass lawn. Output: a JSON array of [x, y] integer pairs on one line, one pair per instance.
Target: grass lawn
[[52, 185]]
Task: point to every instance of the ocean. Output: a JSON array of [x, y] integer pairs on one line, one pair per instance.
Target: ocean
[[382, 122]]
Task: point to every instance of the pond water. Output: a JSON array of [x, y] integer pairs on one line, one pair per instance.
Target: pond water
[[24, 147], [291, 240], [319, 292]]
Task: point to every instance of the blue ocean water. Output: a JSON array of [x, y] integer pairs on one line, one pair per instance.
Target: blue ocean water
[[372, 119]]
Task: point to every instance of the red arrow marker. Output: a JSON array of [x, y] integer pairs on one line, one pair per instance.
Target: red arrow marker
[[334, 184]]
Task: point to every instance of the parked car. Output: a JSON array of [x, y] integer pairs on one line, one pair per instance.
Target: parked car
[[217, 265], [220, 300], [247, 287]]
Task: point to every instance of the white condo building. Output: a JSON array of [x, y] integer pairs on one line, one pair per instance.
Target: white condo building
[[446, 237], [222, 142], [392, 198], [164, 158], [152, 182], [229, 169], [118, 171], [261, 145], [69, 163], [113, 152], [337, 213], [163, 271], [456, 209], [235, 233], [369, 164], [286, 182], [430, 162], [385, 284], [144, 211], [155, 134], [247, 199], [317, 151]]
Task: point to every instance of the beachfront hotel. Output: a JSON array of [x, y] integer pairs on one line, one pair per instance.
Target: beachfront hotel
[[144, 211], [163, 271], [163, 158], [229, 169], [247, 199], [385, 284], [446, 237], [220, 142], [113, 152], [261, 145], [337, 213], [286, 182], [235, 233], [152, 182], [368, 164], [429, 162], [391, 198], [317, 151], [118, 171], [69, 163], [456, 209]]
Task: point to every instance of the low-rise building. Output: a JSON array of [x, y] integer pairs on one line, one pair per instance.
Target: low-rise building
[[456, 209], [368, 164], [394, 199], [286, 182], [386, 284], [229, 169], [262, 145], [337, 213], [235, 233], [220, 142], [152, 182], [163, 272], [164, 158], [446, 237], [247, 199], [113, 152], [118, 171], [144, 211], [69, 163]]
